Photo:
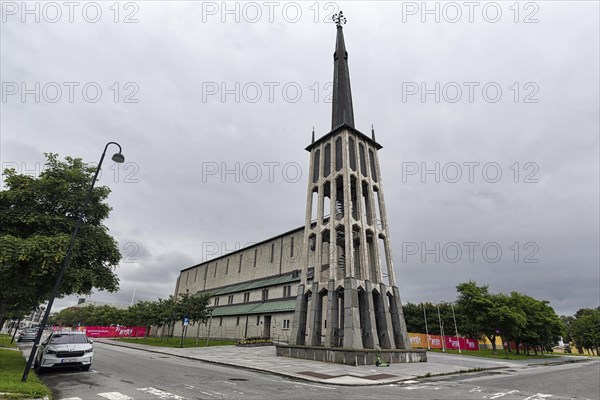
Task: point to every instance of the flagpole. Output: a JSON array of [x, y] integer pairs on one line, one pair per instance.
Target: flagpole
[[441, 330], [455, 328], [133, 297], [426, 329]]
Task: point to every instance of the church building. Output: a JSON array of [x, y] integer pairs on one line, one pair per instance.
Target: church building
[[330, 282]]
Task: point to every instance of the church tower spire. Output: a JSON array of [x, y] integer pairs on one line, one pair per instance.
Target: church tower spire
[[342, 112], [348, 296]]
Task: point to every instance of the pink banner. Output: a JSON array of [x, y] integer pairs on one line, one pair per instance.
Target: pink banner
[[113, 331], [452, 343], [109, 331]]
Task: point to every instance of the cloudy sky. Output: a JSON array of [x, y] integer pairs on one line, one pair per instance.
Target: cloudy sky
[[488, 115]]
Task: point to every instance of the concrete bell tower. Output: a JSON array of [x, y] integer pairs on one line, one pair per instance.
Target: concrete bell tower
[[348, 297]]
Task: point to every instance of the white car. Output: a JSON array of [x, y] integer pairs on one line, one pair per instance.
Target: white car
[[65, 349]]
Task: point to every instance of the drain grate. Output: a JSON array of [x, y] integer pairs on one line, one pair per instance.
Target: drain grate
[[238, 379]]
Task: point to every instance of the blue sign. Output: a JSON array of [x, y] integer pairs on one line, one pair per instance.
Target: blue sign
[[186, 321]]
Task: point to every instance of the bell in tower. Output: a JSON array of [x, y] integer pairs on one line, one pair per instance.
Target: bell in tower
[[348, 297]]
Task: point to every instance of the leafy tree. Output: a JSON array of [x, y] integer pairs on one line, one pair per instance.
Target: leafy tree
[[194, 307], [567, 331], [37, 216], [477, 305], [510, 318], [415, 320], [144, 313], [586, 329]]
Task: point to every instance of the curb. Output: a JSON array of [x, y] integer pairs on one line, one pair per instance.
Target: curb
[[294, 377]]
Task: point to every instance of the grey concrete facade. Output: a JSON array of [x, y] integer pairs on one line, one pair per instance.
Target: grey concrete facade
[[351, 356]]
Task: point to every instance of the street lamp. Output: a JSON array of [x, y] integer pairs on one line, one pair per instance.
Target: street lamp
[[118, 158]]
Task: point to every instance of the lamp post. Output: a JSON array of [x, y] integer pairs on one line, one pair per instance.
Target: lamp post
[[118, 158]]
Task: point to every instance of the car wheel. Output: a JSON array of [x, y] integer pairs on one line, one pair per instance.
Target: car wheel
[[86, 367]]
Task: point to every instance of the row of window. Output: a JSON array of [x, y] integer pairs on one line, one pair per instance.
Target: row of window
[[291, 253], [287, 292], [285, 322], [339, 159]]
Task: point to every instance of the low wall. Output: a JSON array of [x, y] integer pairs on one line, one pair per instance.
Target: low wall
[[350, 356]]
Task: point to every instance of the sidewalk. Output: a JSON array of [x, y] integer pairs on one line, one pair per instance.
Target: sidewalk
[[264, 359]]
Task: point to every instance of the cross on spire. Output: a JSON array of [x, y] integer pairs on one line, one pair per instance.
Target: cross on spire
[[339, 18]]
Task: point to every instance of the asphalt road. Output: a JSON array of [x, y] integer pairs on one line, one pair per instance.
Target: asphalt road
[[120, 373]]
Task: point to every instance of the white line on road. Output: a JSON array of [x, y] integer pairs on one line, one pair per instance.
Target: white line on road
[[115, 396], [501, 394], [161, 393], [72, 398]]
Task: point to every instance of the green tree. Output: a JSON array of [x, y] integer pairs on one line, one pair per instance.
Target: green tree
[[511, 318], [37, 216], [194, 307], [477, 306], [586, 329], [144, 313]]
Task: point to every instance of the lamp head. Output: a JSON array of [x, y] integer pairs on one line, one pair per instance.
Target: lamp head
[[118, 158]]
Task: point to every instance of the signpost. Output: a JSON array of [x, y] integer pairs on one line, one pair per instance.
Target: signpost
[[186, 322]]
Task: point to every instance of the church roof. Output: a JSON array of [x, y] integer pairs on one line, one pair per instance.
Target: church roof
[[267, 307], [255, 284]]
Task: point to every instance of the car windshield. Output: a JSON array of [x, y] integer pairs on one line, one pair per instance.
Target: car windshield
[[66, 339]]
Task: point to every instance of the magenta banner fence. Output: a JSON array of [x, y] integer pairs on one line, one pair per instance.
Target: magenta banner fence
[[423, 341], [107, 331]]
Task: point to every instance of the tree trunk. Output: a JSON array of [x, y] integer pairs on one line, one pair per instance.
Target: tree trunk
[[517, 344], [3, 309], [198, 335], [493, 340]]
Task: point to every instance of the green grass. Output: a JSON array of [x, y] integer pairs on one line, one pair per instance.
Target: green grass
[[5, 341], [176, 341], [501, 355], [12, 365]]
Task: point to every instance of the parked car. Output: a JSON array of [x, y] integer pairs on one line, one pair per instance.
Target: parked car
[[65, 349], [27, 334]]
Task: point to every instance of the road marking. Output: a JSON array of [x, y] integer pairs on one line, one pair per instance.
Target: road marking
[[501, 394], [72, 398], [410, 382], [476, 389], [115, 396], [161, 393], [538, 396]]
